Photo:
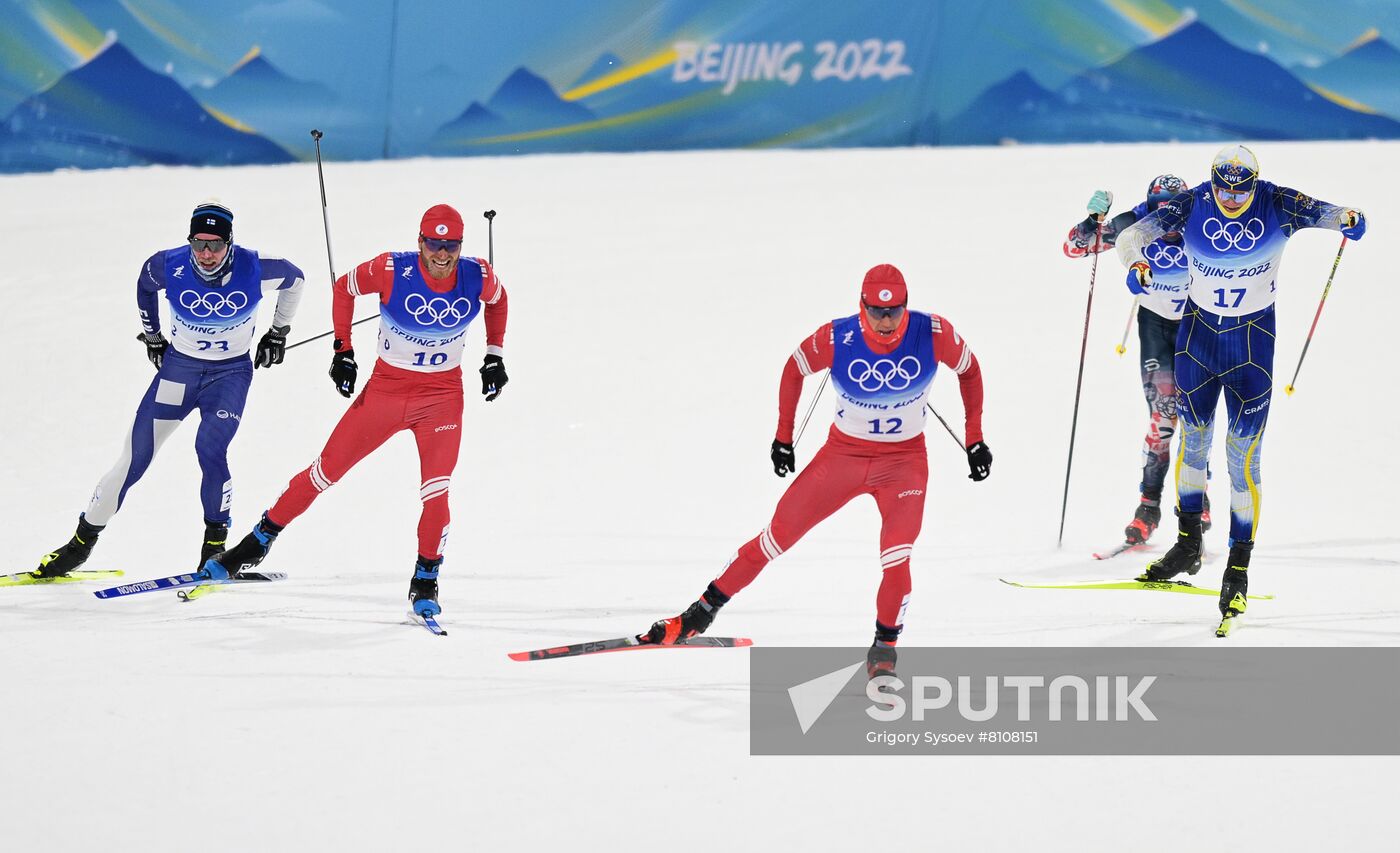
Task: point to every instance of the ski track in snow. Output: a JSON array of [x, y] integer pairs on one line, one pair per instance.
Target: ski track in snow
[[653, 301]]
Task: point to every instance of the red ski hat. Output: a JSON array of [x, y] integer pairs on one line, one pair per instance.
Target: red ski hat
[[441, 222], [884, 287]]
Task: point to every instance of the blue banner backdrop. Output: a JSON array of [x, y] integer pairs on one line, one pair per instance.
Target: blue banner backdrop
[[100, 83]]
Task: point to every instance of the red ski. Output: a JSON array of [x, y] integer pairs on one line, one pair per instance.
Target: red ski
[[622, 644]]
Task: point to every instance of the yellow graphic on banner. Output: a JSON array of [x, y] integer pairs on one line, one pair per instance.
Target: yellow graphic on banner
[[622, 75]]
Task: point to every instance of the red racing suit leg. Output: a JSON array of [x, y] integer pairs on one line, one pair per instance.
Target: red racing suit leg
[[436, 420], [898, 481]]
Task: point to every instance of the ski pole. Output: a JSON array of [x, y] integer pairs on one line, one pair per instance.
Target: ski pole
[[326, 222], [1079, 382], [803, 428], [490, 239], [1289, 388], [1132, 312], [961, 446]]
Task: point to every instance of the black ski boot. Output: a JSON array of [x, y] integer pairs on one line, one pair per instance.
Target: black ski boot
[[215, 540], [1145, 520], [880, 660], [695, 620], [1234, 586], [72, 554], [1184, 555], [423, 589], [246, 555]]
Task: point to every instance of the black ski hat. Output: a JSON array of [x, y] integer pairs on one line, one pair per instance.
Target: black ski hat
[[212, 218]]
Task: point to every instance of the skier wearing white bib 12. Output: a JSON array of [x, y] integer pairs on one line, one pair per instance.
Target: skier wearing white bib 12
[[1234, 227]]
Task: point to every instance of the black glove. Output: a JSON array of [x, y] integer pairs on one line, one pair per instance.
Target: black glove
[[979, 459], [156, 345], [343, 371], [273, 347], [493, 377], [784, 460]]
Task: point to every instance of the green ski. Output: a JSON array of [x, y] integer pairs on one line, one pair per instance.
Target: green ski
[[28, 578]]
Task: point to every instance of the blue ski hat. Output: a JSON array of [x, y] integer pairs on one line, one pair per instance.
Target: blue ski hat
[[1234, 170], [211, 217], [1162, 190]]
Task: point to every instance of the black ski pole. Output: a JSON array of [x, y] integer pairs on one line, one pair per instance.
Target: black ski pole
[[490, 237], [961, 446], [325, 221], [1079, 382]]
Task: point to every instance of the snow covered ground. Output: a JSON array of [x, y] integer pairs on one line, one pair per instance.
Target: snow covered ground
[[654, 299]]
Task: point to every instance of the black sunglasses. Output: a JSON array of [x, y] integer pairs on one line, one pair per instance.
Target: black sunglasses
[[207, 245], [435, 245], [879, 312]]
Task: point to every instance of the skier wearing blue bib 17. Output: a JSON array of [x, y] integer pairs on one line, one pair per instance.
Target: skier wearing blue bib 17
[[213, 288], [1234, 228]]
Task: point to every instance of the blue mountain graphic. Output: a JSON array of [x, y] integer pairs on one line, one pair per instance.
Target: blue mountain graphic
[[259, 95], [1369, 73], [524, 102], [1195, 85], [114, 111], [1018, 109]]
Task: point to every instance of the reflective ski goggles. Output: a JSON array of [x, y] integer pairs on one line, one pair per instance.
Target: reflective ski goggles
[[1233, 196], [215, 245], [434, 245], [880, 312]]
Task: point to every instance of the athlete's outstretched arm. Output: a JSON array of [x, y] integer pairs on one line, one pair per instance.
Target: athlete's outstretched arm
[[1169, 217], [287, 279], [951, 350], [376, 276], [495, 308], [149, 284], [813, 355], [1296, 210]]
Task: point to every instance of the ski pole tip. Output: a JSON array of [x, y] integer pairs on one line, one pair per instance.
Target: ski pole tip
[[1120, 349], [1288, 390]]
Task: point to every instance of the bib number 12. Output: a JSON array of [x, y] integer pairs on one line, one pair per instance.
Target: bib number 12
[[891, 426]]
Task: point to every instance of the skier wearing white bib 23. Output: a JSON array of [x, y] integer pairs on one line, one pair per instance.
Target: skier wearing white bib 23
[[213, 288], [1235, 227]]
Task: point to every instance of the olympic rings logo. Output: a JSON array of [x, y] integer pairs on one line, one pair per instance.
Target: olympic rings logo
[[438, 310], [884, 373], [213, 304], [1233, 235], [1164, 255]]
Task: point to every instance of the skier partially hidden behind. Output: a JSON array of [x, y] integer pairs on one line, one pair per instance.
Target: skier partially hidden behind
[[1159, 316], [882, 362], [427, 299], [213, 288], [1234, 228]]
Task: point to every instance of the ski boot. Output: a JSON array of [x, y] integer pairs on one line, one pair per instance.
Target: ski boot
[[1234, 586], [880, 660], [71, 555], [423, 589], [215, 540], [1145, 520], [1184, 555], [247, 554], [695, 620], [1205, 513]]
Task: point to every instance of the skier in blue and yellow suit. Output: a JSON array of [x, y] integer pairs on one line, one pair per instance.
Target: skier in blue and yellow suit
[[1234, 228]]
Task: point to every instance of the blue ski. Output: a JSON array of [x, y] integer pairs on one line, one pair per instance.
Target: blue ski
[[179, 581], [429, 622]]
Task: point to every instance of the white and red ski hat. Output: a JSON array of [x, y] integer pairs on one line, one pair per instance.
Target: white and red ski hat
[[884, 287], [441, 222]]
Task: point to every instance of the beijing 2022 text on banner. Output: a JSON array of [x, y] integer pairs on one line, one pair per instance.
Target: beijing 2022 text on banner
[[97, 84], [1077, 701]]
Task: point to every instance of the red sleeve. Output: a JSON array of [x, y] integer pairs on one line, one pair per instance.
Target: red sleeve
[[811, 356], [493, 296], [376, 276], [951, 350]]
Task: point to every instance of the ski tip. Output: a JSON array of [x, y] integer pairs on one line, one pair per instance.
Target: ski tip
[[519, 655], [741, 642], [1009, 583]]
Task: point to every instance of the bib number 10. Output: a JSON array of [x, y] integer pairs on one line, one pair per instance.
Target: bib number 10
[[885, 426], [422, 359]]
